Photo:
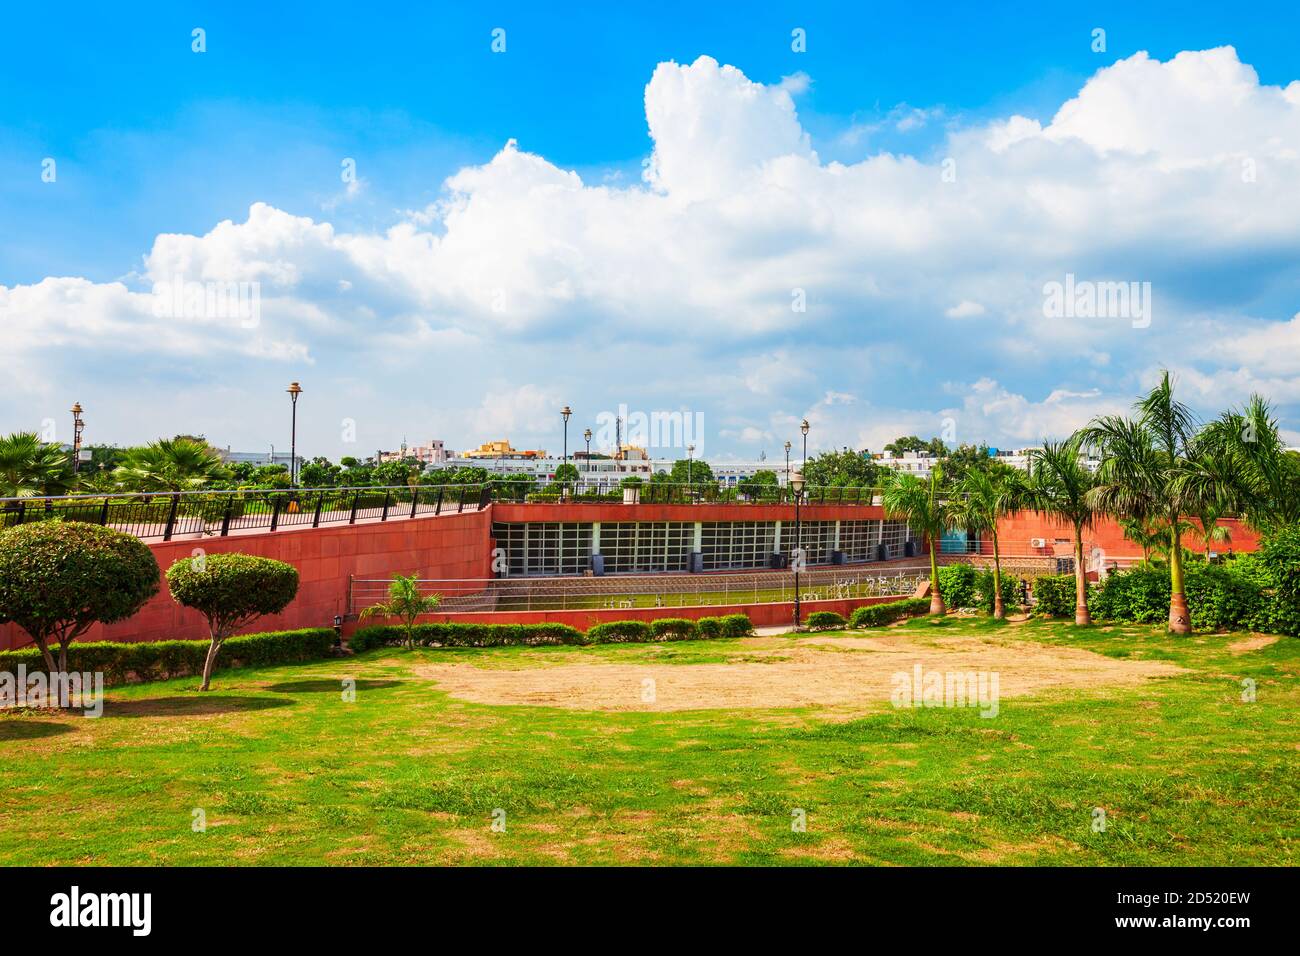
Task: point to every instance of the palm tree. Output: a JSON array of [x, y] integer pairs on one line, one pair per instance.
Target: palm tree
[[31, 468], [920, 503], [1210, 530], [985, 496], [405, 602], [1154, 468], [1255, 466], [1062, 485], [1144, 535], [170, 464]]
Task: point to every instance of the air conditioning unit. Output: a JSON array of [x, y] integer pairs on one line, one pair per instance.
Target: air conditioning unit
[[1038, 542]]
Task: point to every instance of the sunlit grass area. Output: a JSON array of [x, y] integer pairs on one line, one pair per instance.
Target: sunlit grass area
[[283, 769]]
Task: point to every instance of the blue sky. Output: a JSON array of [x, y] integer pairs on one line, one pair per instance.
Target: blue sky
[[152, 139]]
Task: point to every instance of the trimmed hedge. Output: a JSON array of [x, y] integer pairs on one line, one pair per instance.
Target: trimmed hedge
[[826, 621], [1054, 595], [736, 625], [464, 634], [674, 629], [620, 632], [121, 663], [874, 615]]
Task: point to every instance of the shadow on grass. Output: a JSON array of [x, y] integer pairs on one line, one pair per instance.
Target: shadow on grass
[[21, 729], [325, 686], [200, 705]]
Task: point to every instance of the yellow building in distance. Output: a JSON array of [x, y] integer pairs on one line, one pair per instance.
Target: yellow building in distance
[[501, 449]]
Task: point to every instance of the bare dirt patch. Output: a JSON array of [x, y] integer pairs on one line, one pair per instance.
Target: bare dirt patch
[[814, 671], [1253, 643]]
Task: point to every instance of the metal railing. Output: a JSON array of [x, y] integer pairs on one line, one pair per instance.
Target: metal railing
[[608, 489], [165, 515], [484, 595], [195, 514]]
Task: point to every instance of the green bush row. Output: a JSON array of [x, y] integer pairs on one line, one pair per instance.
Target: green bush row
[[1256, 592], [826, 621], [1242, 594], [465, 634], [874, 615], [158, 660], [1054, 595], [965, 586]]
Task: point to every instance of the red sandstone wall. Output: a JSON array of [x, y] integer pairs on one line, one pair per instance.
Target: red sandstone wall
[[1016, 532], [449, 546]]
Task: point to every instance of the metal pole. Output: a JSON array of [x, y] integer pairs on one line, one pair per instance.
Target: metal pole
[[798, 552]]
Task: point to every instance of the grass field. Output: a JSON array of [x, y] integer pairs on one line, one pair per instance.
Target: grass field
[[288, 772]]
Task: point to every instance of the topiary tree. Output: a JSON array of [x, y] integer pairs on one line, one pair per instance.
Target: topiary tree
[[230, 590], [58, 578]]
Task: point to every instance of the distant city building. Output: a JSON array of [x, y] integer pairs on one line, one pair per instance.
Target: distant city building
[[503, 450], [433, 453], [921, 463]]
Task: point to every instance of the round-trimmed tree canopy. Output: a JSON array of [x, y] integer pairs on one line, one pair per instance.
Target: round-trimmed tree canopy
[[232, 588], [60, 577]]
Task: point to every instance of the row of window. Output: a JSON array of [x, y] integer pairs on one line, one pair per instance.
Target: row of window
[[630, 547]]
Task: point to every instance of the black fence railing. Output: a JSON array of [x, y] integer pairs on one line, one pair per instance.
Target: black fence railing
[[664, 493], [166, 515], [192, 514]]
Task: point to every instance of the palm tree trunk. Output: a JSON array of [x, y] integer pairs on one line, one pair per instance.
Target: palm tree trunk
[[999, 609], [936, 599], [1081, 616], [1180, 621]]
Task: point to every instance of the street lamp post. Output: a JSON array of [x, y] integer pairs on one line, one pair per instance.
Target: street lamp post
[[796, 485], [77, 426], [787, 463], [587, 436], [803, 427], [294, 391], [565, 412]]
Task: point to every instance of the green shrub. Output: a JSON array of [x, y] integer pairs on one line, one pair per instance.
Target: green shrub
[[874, 615], [467, 634], [1140, 594], [965, 586], [826, 621], [737, 625], [957, 584], [708, 628], [674, 629], [984, 591], [1054, 595], [1221, 601], [1279, 553], [620, 632], [59, 578], [159, 660]]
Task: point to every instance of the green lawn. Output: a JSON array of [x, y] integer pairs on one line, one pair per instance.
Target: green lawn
[[287, 772]]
